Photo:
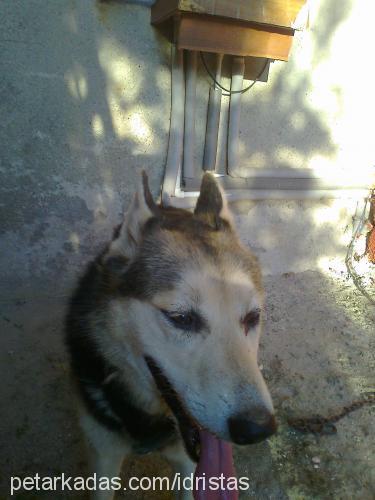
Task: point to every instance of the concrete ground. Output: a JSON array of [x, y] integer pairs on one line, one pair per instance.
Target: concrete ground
[[84, 106]]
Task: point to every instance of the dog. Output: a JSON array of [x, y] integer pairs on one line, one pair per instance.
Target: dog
[[163, 332]]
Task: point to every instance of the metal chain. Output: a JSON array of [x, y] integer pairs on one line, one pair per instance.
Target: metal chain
[[318, 424]]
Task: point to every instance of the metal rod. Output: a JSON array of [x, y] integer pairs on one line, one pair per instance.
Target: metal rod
[[176, 132], [238, 70], [189, 169], [280, 183], [213, 120], [188, 199]]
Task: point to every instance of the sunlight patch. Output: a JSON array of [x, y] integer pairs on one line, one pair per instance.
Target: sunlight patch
[[75, 241], [139, 128], [77, 83], [97, 126]]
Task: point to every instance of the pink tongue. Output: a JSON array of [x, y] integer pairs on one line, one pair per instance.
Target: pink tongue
[[214, 469]]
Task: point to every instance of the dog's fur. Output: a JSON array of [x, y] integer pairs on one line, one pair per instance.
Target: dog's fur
[[164, 267]]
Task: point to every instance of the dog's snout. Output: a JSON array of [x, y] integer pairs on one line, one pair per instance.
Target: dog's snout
[[245, 429]]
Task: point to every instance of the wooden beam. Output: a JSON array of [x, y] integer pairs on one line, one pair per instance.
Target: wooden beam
[[272, 12], [222, 35], [162, 10]]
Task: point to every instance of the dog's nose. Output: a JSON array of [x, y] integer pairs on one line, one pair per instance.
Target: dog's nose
[[246, 430]]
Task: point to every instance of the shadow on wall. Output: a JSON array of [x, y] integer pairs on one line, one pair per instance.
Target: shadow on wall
[[329, 17], [88, 103], [288, 121], [286, 131]]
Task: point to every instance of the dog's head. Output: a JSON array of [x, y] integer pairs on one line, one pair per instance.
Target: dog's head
[[194, 300]]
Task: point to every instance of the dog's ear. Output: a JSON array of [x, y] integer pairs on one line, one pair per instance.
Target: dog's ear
[[212, 206], [142, 208]]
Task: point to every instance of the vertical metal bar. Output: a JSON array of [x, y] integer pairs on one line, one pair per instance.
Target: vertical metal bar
[[213, 120], [238, 69], [189, 169], [175, 143]]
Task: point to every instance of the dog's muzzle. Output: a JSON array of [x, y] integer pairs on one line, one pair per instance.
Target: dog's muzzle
[[189, 428], [243, 430]]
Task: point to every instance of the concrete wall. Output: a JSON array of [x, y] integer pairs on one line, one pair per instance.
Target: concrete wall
[[84, 107], [85, 102]]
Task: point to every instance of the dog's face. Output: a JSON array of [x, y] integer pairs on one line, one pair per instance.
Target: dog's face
[[194, 301]]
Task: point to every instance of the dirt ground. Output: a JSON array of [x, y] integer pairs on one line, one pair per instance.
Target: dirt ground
[[317, 355]]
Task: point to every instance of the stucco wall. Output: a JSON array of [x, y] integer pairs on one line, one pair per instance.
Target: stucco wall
[[84, 106]]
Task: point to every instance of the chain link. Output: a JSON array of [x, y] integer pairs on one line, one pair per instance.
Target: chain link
[[326, 425]]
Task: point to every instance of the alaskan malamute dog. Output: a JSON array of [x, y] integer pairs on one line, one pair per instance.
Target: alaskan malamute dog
[[163, 335]]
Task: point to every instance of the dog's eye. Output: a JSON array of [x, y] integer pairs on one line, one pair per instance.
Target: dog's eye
[[184, 320], [251, 320]]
